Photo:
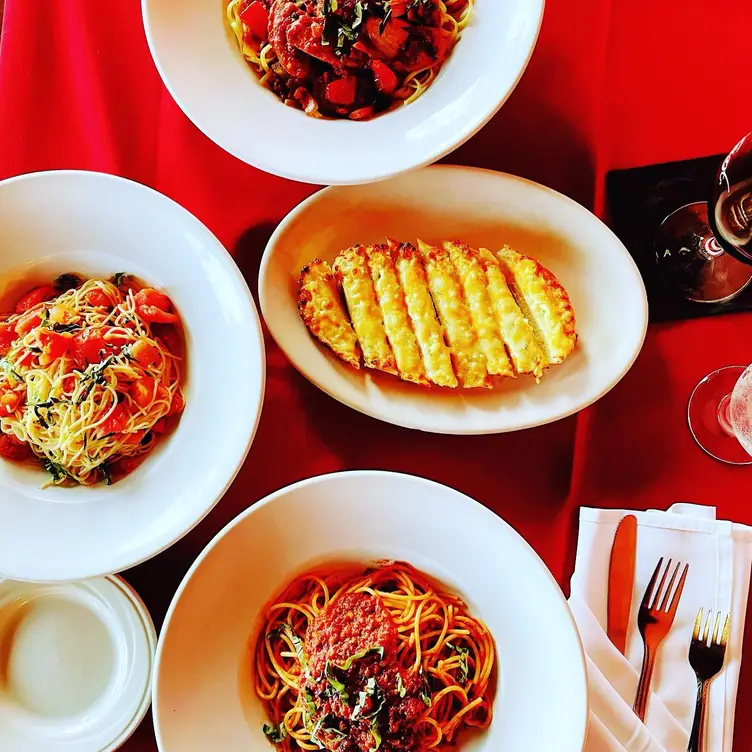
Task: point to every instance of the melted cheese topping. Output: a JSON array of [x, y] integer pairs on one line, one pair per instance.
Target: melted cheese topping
[[412, 276], [352, 266], [546, 300], [446, 290], [526, 354], [397, 324], [475, 286], [320, 305]]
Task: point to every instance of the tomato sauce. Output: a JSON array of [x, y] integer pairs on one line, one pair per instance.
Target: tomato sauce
[[359, 696]]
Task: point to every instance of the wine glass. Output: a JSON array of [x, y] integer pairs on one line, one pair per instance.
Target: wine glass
[[720, 414], [705, 248]]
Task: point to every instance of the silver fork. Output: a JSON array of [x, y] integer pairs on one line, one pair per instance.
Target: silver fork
[[655, 617], [706, 658]]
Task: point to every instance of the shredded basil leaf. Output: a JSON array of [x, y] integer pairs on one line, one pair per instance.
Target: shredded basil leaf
[[105, 470], [58, 472], [95, 375], [358, 15], [119, 277], [40, 417], [463, 653], [425, 691], [363, 695], [401, 689], [66, 282], [297, 643], [376, 735], [337, 685], [57, 327], [375, 650], [310, 704], [275, 733]]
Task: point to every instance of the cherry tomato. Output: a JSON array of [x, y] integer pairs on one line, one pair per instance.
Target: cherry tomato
[[89, 348], [384, 77], [98, 299], [7, 338], [30, 320], [144, 352], [9, 402], [55, 345], [35, 297], [142, 391], [341, 90], [178, 403], [169, 336], [116, 421], [256, 19], [154, 306], [13, 449]]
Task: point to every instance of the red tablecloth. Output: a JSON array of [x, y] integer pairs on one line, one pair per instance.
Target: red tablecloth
[[610, 84]]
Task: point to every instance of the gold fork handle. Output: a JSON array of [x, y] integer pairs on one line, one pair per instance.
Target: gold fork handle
[[643, 688], [697, 736]]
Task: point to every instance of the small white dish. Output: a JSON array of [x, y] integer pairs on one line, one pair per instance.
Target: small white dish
[[76, 664], [96, 225], [204, 698], [198, 58], [482, 208]]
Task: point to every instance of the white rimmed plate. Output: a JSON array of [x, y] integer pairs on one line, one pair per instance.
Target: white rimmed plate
[[76, 661], [96, 224], [198, 58], [204, 699], [481, 208]]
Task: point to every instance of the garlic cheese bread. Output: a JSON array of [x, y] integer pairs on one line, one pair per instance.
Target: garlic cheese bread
[[446, 315]]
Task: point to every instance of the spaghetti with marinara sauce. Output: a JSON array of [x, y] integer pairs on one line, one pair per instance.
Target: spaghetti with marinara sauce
[[347, 58], [353, 661], [88, 376]]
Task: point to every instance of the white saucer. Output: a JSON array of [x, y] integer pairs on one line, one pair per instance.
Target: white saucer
[[75, 665]]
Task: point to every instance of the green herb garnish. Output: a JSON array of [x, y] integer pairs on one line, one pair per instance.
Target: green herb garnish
[[105, 470], [120, 277], [297, 644], [58, 472], [57, 327], [275, 733], [337, 685], [67, 282], [7, 366], [375, 650], [376, 735], [40, 417], [425, 692], [401, 688], [463, 653]]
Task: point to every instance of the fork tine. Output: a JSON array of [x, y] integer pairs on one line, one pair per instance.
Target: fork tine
[[698, 625], [659, 591], [716, 628], [707, 628], [668, 590], [725, 635], [651, 584], [678, 592]]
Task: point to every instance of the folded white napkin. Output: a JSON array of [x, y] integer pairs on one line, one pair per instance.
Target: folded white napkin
[[719, 555]]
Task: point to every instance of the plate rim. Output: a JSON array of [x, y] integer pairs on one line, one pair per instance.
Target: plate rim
[[301, 176], [344, 475], [79, 572], [293, 215]]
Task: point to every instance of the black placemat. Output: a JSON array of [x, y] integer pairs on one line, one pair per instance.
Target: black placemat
[[637, 201]]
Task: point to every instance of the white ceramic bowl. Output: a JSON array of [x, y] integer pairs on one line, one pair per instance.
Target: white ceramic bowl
[[199, 61], [482, 208], [203, 698], [96, 224]]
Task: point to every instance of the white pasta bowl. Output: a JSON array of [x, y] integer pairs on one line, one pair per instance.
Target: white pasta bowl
[[96, 225], [198, 58], [203, 696]]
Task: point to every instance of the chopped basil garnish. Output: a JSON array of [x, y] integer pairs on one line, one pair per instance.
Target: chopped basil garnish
[[58, 472], [275, 733], [105, 470], [67, 282], [94, 375], [120, 277], [40, 417], [401, 689], [57, 327], [425, 691], [463, 653], [376, 735], [376, 650], [358, 14], [7, 366], [337, 685], [297, 644]]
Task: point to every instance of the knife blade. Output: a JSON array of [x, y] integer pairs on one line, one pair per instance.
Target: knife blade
[[621, 581]]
